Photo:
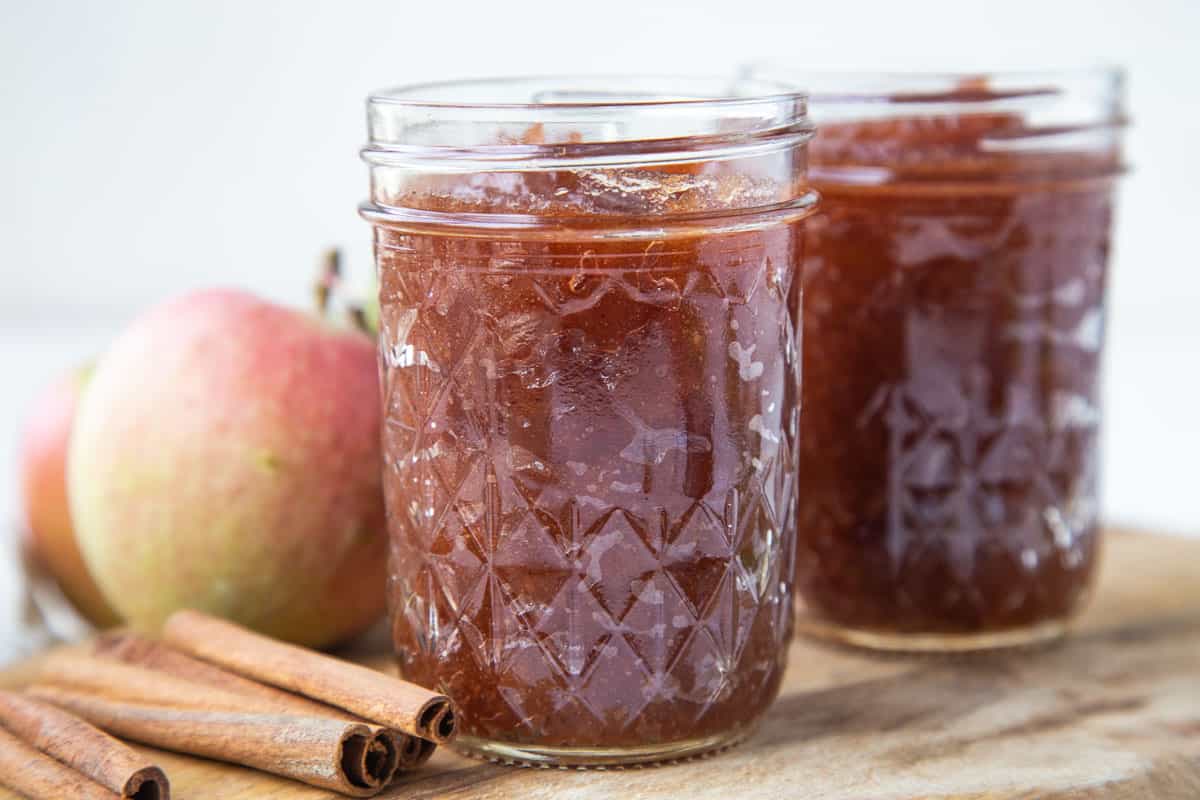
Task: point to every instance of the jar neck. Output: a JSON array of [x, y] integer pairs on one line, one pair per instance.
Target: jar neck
[[587, 154], [948, 128]]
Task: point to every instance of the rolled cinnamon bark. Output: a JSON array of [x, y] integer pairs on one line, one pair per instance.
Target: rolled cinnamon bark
[[369, 694], [322, 752], [108, 677], [138, 650], [370, 764], [83, 747], [35, 775], [423, 751]]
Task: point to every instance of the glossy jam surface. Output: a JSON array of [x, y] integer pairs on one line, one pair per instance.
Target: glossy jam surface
[[591, 469], [953, 318]]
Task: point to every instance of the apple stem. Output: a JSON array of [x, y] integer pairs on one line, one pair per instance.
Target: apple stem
[[328, 279], [327, 289], [358, 318]]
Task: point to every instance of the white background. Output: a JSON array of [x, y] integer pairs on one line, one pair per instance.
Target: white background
[[148, 147]]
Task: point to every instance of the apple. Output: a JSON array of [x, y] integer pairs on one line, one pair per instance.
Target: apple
[[226, 457], [50, 536]]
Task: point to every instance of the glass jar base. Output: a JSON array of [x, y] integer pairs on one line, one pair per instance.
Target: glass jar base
[[897, 642], [597, 757]]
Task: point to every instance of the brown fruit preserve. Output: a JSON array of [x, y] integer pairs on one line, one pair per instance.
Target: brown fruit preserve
[[590, 372], [953, 319]]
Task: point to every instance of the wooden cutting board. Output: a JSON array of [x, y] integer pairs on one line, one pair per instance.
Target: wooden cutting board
[[1112, 713]]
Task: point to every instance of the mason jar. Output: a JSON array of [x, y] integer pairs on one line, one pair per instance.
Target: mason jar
[[589, 319], [954, 289]]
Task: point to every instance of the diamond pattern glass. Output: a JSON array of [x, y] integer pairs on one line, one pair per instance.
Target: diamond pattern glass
[[590, 479], [950, 421]]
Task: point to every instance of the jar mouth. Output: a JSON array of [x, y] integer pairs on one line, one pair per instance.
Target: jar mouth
[[883, 127], [579, 120], [936, 87], [1051, 101], [593, 92]]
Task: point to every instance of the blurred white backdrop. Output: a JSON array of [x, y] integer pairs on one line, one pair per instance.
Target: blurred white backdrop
[[150, 147]]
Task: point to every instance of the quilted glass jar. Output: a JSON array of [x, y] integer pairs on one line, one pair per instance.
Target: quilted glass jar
[[953, 333], [588, 343]]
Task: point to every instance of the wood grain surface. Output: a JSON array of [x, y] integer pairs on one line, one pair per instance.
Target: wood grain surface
[[1112, 713]]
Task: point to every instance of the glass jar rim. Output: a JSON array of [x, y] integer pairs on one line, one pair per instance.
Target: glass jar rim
[[939, 86], [426, 94], [1067, 98], [580, 120]]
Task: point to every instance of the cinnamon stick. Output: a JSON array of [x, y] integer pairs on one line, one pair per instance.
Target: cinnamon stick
[[77, 744], [37, 776], [110, 678], [367, 764], [322, 752], [138, 650], [369, 694]]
